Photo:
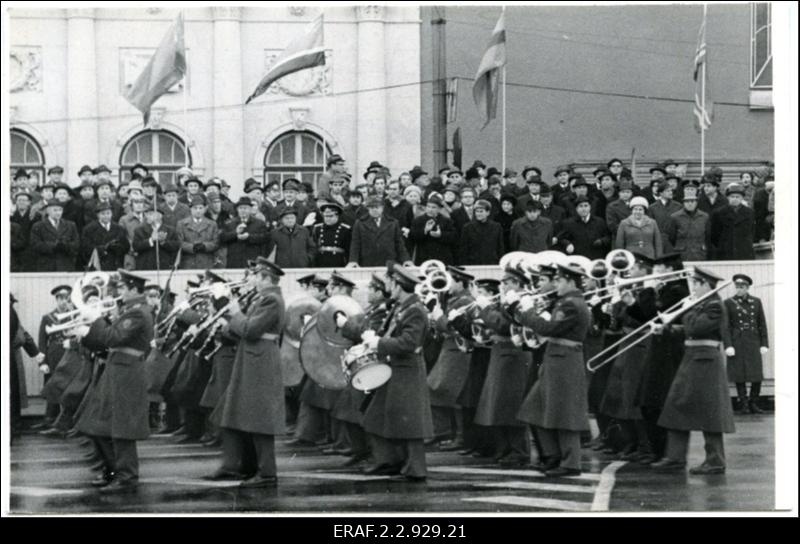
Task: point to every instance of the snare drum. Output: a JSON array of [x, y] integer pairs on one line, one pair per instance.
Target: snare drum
[[363, 369]]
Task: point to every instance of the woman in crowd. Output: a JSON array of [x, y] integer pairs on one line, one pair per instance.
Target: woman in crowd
[[638, 232]]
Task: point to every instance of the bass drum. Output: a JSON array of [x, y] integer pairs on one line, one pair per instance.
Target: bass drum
[[321, 360]]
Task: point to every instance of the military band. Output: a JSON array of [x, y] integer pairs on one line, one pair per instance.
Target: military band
[[524, 361]]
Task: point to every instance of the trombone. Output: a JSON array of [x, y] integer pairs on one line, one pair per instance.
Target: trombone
[[105, 303], [669, 315]]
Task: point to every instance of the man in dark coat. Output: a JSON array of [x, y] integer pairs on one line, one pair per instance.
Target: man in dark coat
[[557, 404], [605, 196], [433, 234], [397, 207], [253, 409], [569, 201], [688, 230], [555, 213], [399, 417], [24, 217], [355, 209], [698, 399], [172, 210], [481, 240], [125, 405], [376, 239], [245, 236], [732, 228], [294, 247], [532, 232], [106, 237], [54, 241], [155, 237], [584, 235], [711, 200], [105, 191], [661, 210], [291, 187], [52, 345], [332, 237], [619, 209], [73, 208], [748, 330], [19, 339]]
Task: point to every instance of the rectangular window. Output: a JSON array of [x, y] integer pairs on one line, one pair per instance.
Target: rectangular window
[[761, 46]]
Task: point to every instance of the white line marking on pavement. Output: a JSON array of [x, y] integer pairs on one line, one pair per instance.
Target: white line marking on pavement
[[141, 458], [540, 486], [602, 497], [194, 482], [43, 491], [500, 472], [535, 502], [333, 476]]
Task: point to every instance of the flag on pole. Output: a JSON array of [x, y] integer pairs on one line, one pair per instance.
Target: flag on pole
[[165, 69], [305, 51], [452, 99], [702, 108], [486, 86]]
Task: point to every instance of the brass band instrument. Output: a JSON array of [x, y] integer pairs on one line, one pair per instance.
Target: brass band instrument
[[102, 303], [669, 315], [101, 280]]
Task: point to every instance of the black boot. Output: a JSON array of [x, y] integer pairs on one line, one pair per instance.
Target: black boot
[[755, 394], [741, 404]]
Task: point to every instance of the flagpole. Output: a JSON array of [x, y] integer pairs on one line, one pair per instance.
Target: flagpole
[[185, 122], [703, 102], [504, 120]]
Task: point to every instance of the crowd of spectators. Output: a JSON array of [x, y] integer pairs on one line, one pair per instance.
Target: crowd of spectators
[[465, 218]]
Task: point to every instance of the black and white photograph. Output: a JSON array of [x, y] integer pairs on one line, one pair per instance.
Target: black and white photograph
[[405, 259]]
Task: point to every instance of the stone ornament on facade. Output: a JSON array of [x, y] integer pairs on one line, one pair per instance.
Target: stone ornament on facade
[[297, 11], [133, 60], [312, 81], [299, 117], [156, 118], [25, 69], [370, 13]]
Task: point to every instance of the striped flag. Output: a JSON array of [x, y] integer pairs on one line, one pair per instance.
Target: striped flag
[[306, 51], [484, 90], [165, 69], [702, 111]]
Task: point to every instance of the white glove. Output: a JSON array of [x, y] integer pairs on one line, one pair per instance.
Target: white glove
[[341, 319], [511, 297], [650, 284], [39, 358], [220, 290], [545, 315], [570, 248], [628, 298], [595, 300], [517, 340], [452, 314], [730, 352], [437, 312], [191, 330], [368, 335], [526, 303], [80, 331], [482, 302], [405, 231], [372, 343], [153, 343], [65, 343], [764, 350], [606, 308], [310, 219], [90, 314], [44, 369], [657, 328], [306, 319]]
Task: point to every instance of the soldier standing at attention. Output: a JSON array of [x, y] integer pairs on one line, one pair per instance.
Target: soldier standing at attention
[[748, 328]]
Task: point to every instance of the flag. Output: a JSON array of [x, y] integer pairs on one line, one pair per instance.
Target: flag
[[452, 99], [457, 148], [305, 51], [702, 111], [165, 69], [94, 261], [484, 90], [167, 290]]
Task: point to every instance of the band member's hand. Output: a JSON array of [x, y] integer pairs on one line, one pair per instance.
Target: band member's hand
[[405, 231], [352, 265], [65, 343], [764, 350], [594, 301], [368, 335], [44, 369], [372, 343], [39, 358], [657, 328], [606, 308], [628, 298], [452, 314], [306, 319], [153, 343], [341, 319], [220, 290], [192, 330], [482, 302], [570, 249], [437, 312], [80, 331], [90, 314], [510, 297], [545, 315], [652, 284], [234, 307], [730, 352], [525, 303]]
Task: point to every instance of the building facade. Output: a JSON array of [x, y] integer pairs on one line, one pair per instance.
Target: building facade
[[588, 83], [71, 67]]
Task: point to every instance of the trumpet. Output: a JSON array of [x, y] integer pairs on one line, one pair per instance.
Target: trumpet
[[75, 322], [109, 303], [211, 289], [666, 317]]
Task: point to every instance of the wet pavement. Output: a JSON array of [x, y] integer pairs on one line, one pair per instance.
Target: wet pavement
[[50, 476]]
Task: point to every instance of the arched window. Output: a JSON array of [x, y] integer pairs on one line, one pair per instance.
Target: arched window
[[26, 154], [295, 155], [162, 152]]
